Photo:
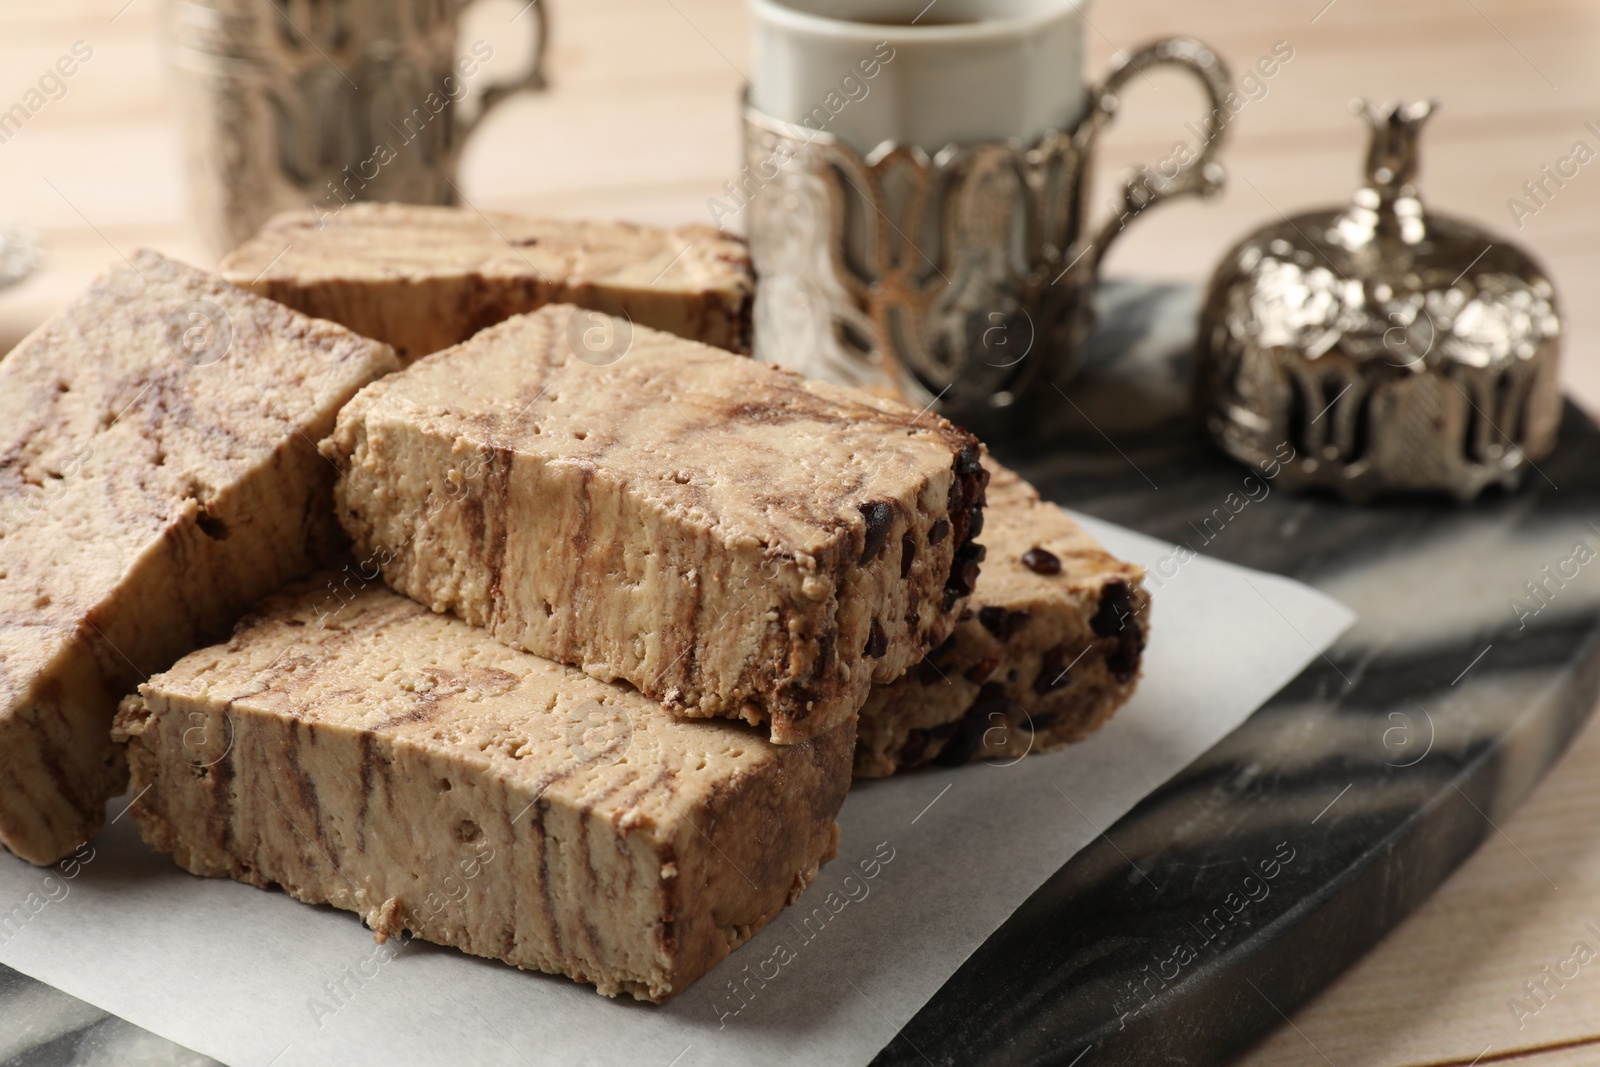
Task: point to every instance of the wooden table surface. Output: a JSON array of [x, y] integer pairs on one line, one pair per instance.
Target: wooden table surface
[[641, 122]]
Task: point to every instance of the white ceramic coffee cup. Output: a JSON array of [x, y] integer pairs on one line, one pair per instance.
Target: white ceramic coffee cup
[[963, 70]]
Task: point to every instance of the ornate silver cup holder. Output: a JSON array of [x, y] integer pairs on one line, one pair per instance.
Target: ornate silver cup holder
[[963, 278]]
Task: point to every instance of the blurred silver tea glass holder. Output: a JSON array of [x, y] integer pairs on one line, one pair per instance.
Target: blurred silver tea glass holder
[[962, 280], [311, 104], [19, 255]]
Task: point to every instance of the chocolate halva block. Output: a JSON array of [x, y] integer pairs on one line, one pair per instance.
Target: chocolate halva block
[[726, 536], [1048, 648], [158, 476], [425, 278], [359, 750]]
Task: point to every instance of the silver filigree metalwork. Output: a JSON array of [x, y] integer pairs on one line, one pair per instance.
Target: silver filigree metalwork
[[310, 104], [962, 278], [1382, 346]]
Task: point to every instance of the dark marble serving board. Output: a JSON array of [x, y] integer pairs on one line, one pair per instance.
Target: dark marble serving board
[[1314, 828], [1379, 769]]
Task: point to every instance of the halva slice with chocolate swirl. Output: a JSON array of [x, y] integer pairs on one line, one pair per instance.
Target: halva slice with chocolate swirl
[[1046, 651], [158, 476], [425, 278], [361, 751], [726, 536]]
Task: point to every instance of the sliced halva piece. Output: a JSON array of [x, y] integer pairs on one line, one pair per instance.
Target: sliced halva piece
[[158, 476], [425, 278], [1048, 648], [359, 750], [723, 534]]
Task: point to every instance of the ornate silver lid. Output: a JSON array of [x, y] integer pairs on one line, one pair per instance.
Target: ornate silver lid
[[1382, 347]]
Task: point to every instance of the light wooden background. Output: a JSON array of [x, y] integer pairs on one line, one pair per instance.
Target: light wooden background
[[642, 123]]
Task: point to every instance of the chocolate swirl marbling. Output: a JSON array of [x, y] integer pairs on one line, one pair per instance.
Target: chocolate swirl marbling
[[158, 476], [1047, 650], [361, 751], [425, 278], [691, 522]]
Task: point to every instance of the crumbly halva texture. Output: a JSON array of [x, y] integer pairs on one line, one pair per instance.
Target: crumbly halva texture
[[1047, 650], [158, 476], [723, 534], [358, 750], [425, 278]]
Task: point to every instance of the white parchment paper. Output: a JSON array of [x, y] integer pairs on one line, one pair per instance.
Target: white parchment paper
[[930, 864]]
